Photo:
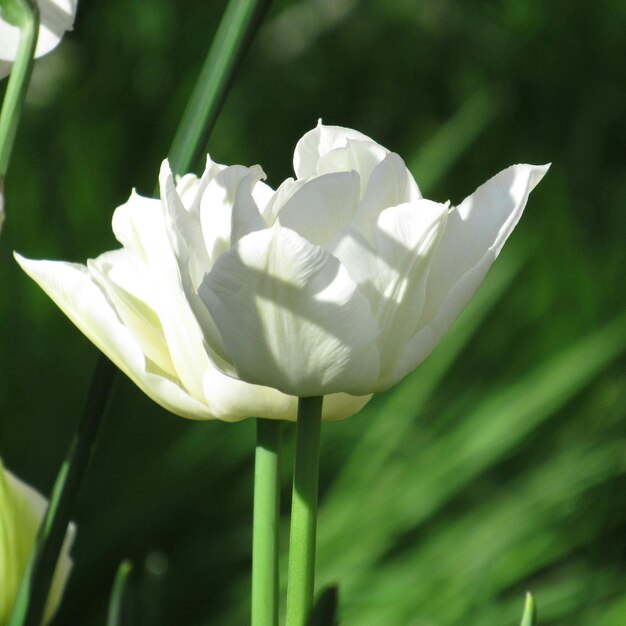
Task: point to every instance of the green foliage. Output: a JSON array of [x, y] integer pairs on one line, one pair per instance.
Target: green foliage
[[496, 467]]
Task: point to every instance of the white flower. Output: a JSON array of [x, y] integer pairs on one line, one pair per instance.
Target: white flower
[[341, 281], [132, 304], [56, 17], [346, 278], [21, 512]]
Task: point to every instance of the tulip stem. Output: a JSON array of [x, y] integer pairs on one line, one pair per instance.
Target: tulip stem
[[301, 575], [265, 579], [235, 32], [25, 15]]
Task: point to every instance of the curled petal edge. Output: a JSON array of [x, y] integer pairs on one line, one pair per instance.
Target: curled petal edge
[[72, 289]]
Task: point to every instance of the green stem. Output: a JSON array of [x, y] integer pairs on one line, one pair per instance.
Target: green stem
[[33, 590], [301, 575], [26, 13], [265, 578], [234, 35]]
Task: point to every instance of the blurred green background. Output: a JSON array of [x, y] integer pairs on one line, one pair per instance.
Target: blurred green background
[[498, 466]]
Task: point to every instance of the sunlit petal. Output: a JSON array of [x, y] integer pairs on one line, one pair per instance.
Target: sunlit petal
[[75, 292], [291, 317], [475, 232]]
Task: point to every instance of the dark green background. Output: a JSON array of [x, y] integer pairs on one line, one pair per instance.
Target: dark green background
[[499, 465]]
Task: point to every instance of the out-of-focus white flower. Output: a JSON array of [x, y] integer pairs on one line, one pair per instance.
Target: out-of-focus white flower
[[56, 17], [340, 282], [21, 512]]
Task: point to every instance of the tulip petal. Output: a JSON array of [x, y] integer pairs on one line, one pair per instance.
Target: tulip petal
[[231, 400], [322, 207], [231, 186], [223, 189], [280, 198], [75, 292], [475, 232], [189, 187], [406, 237], [246, 217], [140, 226], [317, 143], [359, 156], [181, 208], [390, 184], [127, 290], [291, 317], [338, 406], [392, 273]]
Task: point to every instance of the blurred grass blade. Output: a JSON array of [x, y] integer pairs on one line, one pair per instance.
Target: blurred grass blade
[[437, 156], [153, 584], [233, 37], [118, 605], [325, 610], [530, 612], [439, 469], [33, 590], [379, 442]]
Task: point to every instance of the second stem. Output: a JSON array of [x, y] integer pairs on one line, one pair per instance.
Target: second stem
[[301, 573], [265, 527]]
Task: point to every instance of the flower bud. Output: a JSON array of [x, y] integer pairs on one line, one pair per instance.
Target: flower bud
[[56, 17], [21, 512]]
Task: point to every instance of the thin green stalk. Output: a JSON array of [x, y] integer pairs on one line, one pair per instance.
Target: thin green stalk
[[33, 591], [265, 579], [234, 35], [25, 15], [118, 603], [301, 574]]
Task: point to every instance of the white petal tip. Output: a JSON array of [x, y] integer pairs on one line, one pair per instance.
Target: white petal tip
[[165, 170], [539, 171]]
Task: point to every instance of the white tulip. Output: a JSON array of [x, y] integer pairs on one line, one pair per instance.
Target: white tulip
[[346, 278], [340, 282], [21, 512], [131, 303], [56, 17]]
